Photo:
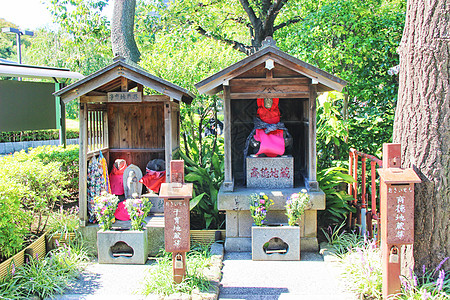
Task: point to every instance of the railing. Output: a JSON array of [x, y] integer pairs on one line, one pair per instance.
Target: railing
[[367, 219], [96, 130]]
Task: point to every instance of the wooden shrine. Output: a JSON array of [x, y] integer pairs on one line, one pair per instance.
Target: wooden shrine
[[118, 119], [269, 73]]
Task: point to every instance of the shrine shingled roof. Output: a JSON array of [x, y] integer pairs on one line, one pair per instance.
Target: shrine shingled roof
[[325, 81], [108, 79]]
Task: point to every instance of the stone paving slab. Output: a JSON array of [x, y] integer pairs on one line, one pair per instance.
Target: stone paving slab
[[310, 278]]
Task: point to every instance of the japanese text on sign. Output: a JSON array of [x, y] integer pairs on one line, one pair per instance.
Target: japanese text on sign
[[124, 97], [270, 173], [400, 214], [176, 214]]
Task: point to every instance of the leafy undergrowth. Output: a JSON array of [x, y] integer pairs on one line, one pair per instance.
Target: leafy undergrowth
[[45, 277], [360, 260], [159, 280]]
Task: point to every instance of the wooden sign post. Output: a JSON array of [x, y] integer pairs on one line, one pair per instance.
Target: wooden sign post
[[397, 215], [176, 197]]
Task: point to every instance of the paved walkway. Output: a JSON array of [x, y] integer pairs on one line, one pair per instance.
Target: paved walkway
[[311, 278]]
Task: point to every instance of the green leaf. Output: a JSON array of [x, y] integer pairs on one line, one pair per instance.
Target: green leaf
[[193, 203]]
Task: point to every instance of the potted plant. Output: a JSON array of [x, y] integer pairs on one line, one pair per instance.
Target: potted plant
[[122, 246], [296, 205], [259, 205]]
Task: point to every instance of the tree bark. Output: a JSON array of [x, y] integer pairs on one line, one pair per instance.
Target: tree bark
[[422, 124], [122, 30]]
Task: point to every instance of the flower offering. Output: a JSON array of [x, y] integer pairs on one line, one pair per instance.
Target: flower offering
[[104, 207], [138, 209], [296, 205], [259, 205]]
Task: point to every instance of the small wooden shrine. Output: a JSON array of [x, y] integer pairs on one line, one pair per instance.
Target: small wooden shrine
[[117, 119], [269, 74]]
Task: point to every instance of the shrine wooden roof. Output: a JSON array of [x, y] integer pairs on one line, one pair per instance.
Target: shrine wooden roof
[[111, 78], [291, 67]]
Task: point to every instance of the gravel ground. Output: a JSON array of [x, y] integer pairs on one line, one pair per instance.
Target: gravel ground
[[311, 278]]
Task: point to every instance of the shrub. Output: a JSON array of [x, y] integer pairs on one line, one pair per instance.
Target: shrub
[[14, 221], [68, 157], [41, 184], [341, 241], [35, 135], [337, 200]]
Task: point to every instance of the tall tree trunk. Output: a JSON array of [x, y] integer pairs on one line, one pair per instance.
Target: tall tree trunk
[[122, 30], [422, 124]]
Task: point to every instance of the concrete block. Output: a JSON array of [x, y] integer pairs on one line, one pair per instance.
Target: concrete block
[[238, 244], [110, 244], [239, 199], [310, 221], [35, 144], [158, 203], [232, 223], [270, 172], [309, 244], [9, 148], [155, 234], [2, 148], [18, 146], [27, 145], [267, 240], [245, 223]]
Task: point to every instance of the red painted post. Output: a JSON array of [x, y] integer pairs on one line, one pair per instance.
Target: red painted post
[[363, 175], [350, 170], [397, 215]]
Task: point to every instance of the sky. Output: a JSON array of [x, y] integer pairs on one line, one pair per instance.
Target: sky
[[29, 14]]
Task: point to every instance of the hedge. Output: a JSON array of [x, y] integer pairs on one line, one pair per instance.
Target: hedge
[[35, 135]]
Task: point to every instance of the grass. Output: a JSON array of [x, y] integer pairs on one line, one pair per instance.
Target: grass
[[160, 281], [45, 277]]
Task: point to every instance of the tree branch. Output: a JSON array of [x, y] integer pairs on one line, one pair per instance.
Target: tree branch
[[294, 20], [236, 45], [256, 22]]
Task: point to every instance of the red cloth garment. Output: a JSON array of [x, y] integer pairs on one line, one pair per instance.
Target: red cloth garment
[[268, 115], [153, 180], [271, 144], [116, 177], [121, 213]]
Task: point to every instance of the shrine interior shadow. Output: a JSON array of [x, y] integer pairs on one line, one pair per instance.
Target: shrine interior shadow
[[250, 293]]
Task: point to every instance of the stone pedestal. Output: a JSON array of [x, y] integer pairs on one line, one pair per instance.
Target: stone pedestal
[[239, 221], [276, 242], [270, 172], [122, 247]]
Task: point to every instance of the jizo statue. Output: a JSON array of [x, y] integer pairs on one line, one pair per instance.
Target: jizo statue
[[132, 183], [269, 136]]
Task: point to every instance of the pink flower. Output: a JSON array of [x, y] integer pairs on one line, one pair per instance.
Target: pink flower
[[103, 210], [262, 201]]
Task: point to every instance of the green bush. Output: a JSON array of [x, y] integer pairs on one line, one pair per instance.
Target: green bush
[[68, 157], [35, 135], [337, 201], [14, 221], [41, 185]]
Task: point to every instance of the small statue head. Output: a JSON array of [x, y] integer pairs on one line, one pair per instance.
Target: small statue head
[[268, 102], [132, 174]]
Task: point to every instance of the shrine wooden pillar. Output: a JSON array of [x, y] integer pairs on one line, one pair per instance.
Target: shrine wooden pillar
[[83, 165], [228, 180], [312, 153]]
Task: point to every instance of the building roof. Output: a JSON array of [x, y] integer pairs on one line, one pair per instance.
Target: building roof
[[326, 81], [108, 79], [13, 69]]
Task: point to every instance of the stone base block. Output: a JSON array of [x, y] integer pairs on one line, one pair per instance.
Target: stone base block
[[275, 243], [238, 244], [157, 202], [122, 247], [270, 172]]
